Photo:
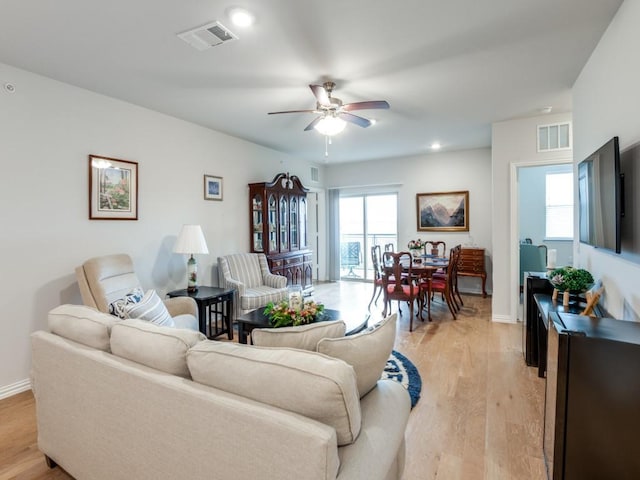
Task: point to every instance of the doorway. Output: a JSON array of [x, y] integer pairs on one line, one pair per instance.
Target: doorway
[[365, 220], [537, 217]]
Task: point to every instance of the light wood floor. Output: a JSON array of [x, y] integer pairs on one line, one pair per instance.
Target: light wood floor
[[479, 415]]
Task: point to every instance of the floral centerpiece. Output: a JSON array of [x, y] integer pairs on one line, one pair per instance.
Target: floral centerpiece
[[281, 315], [416, 247], [569, 279]]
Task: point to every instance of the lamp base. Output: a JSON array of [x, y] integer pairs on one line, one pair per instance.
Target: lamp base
[[192, 275]]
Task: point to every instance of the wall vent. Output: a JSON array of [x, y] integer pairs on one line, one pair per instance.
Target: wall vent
[[556, 136], [315, 174], [208, 36]]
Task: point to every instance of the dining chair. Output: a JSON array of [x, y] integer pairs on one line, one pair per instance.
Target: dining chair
[[376, 262], [433, 247], [388, 247], [445, 285], [394, 266]]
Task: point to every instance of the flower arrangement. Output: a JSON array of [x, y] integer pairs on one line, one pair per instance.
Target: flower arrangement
[[416, 244], [569, 279], [280, 315]]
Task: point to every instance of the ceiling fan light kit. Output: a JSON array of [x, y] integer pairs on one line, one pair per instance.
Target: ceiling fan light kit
[[330, 125]]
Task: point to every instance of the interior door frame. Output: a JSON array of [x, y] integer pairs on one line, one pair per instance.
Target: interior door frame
[[514, 254]]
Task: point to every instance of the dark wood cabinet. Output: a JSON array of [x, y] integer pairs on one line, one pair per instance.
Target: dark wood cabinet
[[472, 265], [278, 226]]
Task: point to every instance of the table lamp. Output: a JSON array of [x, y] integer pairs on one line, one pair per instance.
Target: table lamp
[[191, 241]]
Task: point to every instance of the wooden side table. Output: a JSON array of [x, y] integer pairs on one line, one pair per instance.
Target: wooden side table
[[472, 265], [215, 309]]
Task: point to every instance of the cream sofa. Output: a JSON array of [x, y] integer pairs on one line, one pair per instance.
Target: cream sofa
[[129, 399]]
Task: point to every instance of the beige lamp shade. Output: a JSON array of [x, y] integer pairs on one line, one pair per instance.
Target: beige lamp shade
[[191, 240]]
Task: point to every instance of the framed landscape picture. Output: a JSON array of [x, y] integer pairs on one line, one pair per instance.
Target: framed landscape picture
[[113, 189], [212, 187], [443, 211]]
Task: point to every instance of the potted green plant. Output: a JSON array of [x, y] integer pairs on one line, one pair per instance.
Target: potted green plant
[[570, 280]]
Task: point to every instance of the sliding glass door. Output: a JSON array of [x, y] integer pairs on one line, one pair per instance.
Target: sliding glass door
[[365, 221]]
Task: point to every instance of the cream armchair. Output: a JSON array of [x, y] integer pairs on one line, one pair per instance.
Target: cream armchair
[[102, 280], [249, 275]]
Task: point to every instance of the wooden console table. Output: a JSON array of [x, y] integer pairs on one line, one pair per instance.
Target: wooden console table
[[472, 265]]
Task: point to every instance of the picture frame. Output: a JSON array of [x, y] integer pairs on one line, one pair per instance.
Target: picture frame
[[212, 187], [113, 188], [443, 211]]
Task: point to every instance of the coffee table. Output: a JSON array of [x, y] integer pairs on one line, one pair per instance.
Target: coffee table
[[257, 319]]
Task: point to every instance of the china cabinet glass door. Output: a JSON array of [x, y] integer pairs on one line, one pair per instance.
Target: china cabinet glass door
[[284, 224], [294, 223], [273, 218], [258, 240]]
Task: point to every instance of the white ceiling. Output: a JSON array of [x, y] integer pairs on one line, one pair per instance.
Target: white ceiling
[[449, 68]]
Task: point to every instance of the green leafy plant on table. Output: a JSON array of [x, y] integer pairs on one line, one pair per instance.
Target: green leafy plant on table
[[280, 315], [569, 279]]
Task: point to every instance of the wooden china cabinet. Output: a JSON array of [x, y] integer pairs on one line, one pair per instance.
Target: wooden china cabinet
[[278, 226]]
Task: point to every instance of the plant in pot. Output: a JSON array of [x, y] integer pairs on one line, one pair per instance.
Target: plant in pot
[[570, 280]]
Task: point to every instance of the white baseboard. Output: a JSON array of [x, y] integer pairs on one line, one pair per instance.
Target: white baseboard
[[502, 319], [15, 388]]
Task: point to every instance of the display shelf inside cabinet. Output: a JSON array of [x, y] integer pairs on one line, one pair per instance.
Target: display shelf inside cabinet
[[278, 226]]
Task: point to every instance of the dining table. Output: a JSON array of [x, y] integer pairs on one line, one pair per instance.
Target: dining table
[[422, 269]]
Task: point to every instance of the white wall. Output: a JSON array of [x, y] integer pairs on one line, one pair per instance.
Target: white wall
[[606, 99], [438, 172], [513, 142], [47, 130]]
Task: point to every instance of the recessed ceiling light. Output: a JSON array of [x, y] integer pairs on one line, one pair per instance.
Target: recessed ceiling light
[[241, 17], [373, 121], [435, 146]]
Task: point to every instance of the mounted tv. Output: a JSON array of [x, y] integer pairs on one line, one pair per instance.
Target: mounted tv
[[600, 197]]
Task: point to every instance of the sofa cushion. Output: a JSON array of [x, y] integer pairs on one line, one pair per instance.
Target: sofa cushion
[[366, 352], [162, 348], [308, 383], [304, 337], [82, 324], [150, 308]]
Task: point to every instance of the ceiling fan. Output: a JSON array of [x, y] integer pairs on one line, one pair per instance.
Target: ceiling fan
[[332, 113]]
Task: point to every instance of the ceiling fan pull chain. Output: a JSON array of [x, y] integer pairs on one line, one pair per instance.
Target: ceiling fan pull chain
[[327, 140]]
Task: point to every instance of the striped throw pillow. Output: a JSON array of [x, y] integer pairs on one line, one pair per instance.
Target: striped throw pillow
[[117, 307], [150, 308]]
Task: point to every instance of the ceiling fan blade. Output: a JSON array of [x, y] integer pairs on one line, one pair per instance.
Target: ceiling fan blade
[[365, 105], [291, 111], [313, 124], [360, 121], [321, 94]]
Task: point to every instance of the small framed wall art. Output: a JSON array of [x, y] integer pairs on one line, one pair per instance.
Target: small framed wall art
[[443, 211], [212, 187], [113, 189]]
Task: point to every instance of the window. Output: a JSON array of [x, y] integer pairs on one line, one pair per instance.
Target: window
[[559, 205], [554, 137]]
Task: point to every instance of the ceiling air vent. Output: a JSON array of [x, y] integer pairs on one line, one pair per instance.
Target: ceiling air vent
[[315, 174], [208, 36]]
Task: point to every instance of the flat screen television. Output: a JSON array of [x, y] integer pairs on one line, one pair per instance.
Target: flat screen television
[[600, 197]]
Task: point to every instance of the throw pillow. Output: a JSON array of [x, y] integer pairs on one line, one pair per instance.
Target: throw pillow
[[313, 385], [118, 307], [367, 352], [151, 308], [162, 348], [304, 337]]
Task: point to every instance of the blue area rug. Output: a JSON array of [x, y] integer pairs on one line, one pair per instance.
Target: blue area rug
[[402, 370]]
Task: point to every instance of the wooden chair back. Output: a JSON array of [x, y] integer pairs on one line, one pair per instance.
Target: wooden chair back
[[398, 265], [388, 247], [435, 247], [376, 262]]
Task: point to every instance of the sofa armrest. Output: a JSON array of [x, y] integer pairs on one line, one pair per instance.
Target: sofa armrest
[[181, 306], [274, 281], [385, 413]]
